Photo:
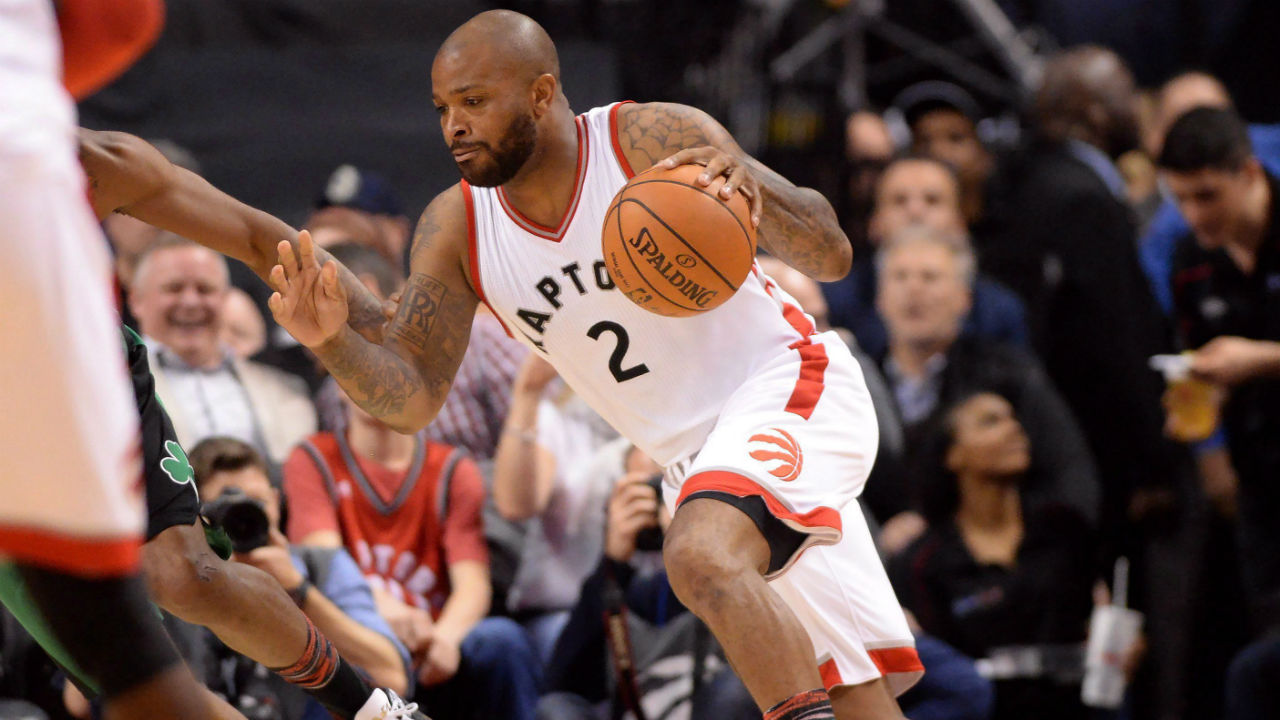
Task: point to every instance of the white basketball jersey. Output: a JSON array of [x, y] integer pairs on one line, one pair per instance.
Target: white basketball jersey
[[660, 381]]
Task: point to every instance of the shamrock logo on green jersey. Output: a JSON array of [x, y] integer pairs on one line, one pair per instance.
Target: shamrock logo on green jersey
[[176, 465]]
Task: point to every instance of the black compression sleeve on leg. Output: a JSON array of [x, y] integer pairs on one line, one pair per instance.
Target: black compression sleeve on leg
[[346, 693], [327, 676], [107, 625]]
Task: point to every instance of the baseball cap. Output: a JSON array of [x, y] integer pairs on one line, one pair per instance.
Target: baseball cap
[[922, 97], [363, 190]]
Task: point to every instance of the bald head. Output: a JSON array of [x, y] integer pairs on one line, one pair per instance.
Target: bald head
[[506, 37], [1088, 94], [495, 84]]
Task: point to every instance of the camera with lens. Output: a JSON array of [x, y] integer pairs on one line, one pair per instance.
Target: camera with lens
[[649, 539], [243, 518]]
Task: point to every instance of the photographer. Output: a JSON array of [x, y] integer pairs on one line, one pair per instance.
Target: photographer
[[327, 585], [629, 588]]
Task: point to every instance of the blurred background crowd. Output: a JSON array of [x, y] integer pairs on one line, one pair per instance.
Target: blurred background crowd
[[1043, 196]]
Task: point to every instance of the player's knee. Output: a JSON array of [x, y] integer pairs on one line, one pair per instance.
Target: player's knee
[[702, 570], [711, 547], [180, 568]]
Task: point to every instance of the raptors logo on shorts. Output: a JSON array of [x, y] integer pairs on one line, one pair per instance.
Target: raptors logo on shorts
[[783, 454]]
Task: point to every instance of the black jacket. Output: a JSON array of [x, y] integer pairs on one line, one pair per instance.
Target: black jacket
[[1061, 462], [1067, 245]]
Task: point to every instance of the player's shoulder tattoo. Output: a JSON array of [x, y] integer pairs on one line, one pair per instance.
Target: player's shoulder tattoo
[[443, 220], [651, 132]]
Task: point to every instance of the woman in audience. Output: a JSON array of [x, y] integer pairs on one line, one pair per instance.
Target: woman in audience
[[1006, 584]]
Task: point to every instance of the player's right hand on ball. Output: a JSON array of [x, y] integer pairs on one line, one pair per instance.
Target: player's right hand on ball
[[309, 301]]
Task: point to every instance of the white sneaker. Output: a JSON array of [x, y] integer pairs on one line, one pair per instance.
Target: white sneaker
[[384, 704]]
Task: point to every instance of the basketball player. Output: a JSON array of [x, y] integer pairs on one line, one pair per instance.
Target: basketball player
[[65, 274], [70, 506], [241, 604], [765, 427]]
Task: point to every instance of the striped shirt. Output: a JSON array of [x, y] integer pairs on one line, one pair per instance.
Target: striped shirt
[[474, 412]]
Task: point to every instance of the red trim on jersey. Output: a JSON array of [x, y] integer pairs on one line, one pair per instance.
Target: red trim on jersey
[[555, 234], [473, 251], [743, 486], [809, 386], [617, 144], [798, 320], [93, 557], [795, 316], [890, 661], [830, 674]]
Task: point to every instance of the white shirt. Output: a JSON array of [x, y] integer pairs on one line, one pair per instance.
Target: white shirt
[[213, 401], [564, 543]]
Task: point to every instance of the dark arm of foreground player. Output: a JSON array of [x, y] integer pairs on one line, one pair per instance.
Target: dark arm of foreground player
[[404, 380], [796, 224], [128, 175]]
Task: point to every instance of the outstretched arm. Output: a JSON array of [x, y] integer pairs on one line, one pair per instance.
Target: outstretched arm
[[127, 175], [795, 224], [404, 380]]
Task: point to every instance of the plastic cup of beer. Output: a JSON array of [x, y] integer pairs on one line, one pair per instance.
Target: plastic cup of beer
[[1191, 405]]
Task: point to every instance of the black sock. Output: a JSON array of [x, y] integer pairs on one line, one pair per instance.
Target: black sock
[[346, 693], [327, 677]]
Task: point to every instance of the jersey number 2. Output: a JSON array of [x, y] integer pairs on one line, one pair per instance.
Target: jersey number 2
[[620, 373]]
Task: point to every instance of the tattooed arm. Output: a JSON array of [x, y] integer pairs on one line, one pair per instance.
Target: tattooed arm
[[404, 380], [129, 176], [796, 224]]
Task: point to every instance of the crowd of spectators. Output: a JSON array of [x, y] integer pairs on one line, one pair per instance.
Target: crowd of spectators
[[1013, 303], [1005, 306]]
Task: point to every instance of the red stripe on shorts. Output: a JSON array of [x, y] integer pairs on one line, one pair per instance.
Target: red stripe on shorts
[[896, 660], [830, 674], [88, 557], [813, 357], [743, 486], [809, 386]]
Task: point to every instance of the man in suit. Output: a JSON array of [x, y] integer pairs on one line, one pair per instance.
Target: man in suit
[[1068, 247], [178, 295], [1069, 251]]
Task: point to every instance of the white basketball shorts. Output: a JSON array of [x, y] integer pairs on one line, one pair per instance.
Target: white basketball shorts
[[793, 449]]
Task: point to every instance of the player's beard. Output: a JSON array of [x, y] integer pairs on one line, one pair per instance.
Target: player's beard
[[513, 151]]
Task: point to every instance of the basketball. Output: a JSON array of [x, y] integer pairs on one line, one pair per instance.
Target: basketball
[[673, 247]]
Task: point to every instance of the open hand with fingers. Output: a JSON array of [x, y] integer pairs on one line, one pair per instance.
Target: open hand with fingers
[[308, 300], [720, 164]]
